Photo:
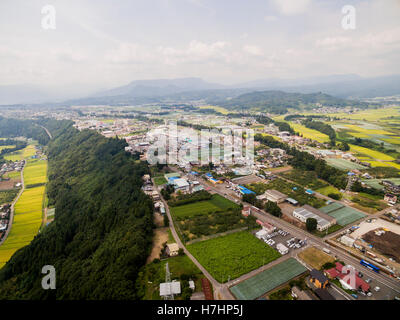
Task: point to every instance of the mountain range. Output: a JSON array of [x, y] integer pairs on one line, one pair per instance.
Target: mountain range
[[347, 86]]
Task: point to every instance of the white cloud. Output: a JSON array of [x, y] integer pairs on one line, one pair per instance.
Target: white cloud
[[253, 50], [292, 7]]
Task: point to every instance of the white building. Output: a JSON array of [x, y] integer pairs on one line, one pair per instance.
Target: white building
[[170, 288], [282, 249], [324, 221]]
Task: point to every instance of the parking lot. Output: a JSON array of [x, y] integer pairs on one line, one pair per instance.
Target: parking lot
[[285, 238]]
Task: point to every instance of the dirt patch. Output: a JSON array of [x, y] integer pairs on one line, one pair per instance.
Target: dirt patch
[[315, 258], [158, 220], [8, 184], [160, 237], [387, 243]]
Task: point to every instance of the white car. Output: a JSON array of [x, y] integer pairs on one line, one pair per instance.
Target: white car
[[369, 294], [377, 289]]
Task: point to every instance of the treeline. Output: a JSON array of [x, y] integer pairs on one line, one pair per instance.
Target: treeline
[[322, 127], [306, 161], [102, 233], [22, 128], [182, 199], [283, 126]]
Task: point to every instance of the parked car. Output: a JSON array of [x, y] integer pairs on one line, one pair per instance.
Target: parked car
[[354, 296], [369, 294], [368, 280], [377, 289]]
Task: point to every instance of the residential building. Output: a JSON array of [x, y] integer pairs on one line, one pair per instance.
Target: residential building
[[318, 279], [172, 249]]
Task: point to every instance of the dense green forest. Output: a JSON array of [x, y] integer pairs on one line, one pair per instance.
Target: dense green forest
[[322, 127], [102, 232], [22, 128]]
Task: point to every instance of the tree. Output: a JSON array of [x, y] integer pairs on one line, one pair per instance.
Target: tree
[[273, 208], [311, 224]]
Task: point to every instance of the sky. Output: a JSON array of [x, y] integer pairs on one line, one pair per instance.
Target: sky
[[102, 44]]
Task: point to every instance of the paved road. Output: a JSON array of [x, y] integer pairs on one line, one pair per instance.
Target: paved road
[[220, 290], [11, 219], [47, 131], [392, 283]]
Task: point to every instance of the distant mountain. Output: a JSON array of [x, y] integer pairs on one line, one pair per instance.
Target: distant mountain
[[344, 86], [279, 102], [159, 87]]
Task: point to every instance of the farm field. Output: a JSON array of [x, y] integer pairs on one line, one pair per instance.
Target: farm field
[[309, 133], [315, 258], [375, 182], [268, 280], [27, 221], [343, 164], [216, 108], [328, 190], [35, 172], [6, 147], [27, 152], [381, 114], [233, 255], [217, 203], [29, 207], [371, 153]]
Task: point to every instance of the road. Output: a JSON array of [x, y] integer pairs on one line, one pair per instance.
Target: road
[[11, 219], [391, 283], [47, 131], [220, 290]]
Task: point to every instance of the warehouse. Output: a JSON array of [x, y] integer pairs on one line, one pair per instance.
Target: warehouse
[[324, 221], [275, 196]]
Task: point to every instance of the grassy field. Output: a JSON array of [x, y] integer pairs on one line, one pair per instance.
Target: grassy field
[[315, 258], [343, 164], [6, 147], [160, 180], [28, 209], [233, 255], [309, 133], [217, 203], [268, 280], [328, 190], [216, 108]]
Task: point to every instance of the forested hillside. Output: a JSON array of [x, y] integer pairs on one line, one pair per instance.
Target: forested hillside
[[22, 128], [279, 102], [102, 232]]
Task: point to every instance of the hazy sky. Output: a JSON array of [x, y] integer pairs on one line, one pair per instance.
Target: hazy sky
[[104, 43]]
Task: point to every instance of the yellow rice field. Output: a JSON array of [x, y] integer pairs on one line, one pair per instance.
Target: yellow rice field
[[29, 207], [371, 153], [310, 133]]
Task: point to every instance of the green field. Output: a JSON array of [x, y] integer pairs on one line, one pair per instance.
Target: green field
[[268, 280], [343, 164], [25, 153], [217, 203], [160, 180], [233, 255]]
